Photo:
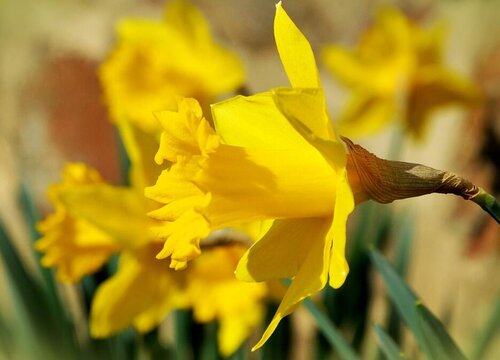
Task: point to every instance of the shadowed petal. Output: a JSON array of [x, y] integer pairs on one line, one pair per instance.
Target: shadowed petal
[[311, 277], [141, 293]]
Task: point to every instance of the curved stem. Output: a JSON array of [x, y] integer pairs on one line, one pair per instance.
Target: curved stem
[[488, 203]]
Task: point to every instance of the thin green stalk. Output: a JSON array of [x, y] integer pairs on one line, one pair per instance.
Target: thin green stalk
[[330, 332], [488, 203]]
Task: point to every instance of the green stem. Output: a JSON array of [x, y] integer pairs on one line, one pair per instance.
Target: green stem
[[488, 203], [330, 332]]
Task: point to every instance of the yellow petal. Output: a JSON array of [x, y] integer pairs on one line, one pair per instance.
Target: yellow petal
[[344, 64], [236, 327], [240, 121], [307, 107], [109, 208], [344, 204], [295, 52], [212, 68], [366, 113], [188, 21], [254, 229], [311, 277], [141, 148], [183, 238], [73, 245], [256, 184], [142, 75], [141, 293], [185, 132], [305, 110], [437, 88], [216, 295], [286, 240]]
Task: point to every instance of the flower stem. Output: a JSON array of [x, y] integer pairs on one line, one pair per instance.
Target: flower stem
[[488, 203]]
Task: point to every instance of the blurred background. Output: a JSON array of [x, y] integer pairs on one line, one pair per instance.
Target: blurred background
[[52, 111]]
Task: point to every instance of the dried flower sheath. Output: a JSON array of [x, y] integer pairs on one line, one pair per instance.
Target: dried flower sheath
[[385, 181]]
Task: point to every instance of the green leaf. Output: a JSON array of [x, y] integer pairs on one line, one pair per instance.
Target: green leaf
[[387, 344], [487, 335], [6, 340], [31, 217], [439, 342], [430, 333], [401, 295], [403, 233], [331, 333], [183, 323], [209, 346], [33, 300]]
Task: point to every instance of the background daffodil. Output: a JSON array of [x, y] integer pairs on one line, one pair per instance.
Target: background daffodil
[[396, 73], [154, 61], [274, 156], [74, 246], [94, 220]]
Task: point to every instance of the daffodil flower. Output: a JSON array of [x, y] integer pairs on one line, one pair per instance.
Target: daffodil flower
[[396, 73], [94, 220], [274, 156], [74, 246], [155, 61]]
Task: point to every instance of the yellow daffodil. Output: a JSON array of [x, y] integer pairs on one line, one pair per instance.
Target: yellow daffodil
[[94, 220], [73, 245], [154, 61], [274, 156], [396, 73], [215, 294]]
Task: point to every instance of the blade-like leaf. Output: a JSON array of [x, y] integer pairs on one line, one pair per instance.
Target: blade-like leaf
[[404, 225], [387, 344], [488, 334], [5, 339], [439, 342], [401, 295], [430, 333], [31, 217], [345, 352], [183, 322], [209, 346], [33, 300]]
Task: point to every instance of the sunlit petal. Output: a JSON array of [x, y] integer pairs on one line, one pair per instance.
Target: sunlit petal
[[295, 52]]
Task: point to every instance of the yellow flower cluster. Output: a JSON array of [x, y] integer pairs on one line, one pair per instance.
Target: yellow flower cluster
[[153, 65], [270, 163]]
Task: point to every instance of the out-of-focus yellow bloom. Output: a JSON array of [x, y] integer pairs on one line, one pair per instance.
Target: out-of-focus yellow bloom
[[73, 245], [144, 291], [154, 61], [215, 294], [94, 219], [274, 156], [396, 73]]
